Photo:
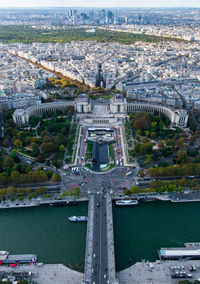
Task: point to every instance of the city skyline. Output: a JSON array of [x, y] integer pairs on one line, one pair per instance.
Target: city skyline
[[98, 3]]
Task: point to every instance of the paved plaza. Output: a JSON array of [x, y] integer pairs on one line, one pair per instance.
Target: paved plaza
[[49, 273]]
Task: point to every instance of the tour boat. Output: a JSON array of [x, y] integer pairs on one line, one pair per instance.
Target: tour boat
[[126, 202], [78, 219]]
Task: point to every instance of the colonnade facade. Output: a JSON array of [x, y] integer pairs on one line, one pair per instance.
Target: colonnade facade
[[177, 117], [119, 109], [21, 116]]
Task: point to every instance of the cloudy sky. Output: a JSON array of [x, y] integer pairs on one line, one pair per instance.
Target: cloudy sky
[[100, 3]]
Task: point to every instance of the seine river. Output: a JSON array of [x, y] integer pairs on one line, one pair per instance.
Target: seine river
[[139, 231]]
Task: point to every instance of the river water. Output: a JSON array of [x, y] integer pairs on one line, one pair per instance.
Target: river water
[[139, 231], [45, 231]]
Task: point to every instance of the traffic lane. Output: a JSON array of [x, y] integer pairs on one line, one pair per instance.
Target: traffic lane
[[101, 239], [104, 248], [96, 249], [102, 245]]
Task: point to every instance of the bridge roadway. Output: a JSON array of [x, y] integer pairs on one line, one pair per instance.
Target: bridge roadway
[[100, 259]]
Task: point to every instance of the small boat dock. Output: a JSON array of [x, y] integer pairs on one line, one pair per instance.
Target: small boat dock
[[6, 258]]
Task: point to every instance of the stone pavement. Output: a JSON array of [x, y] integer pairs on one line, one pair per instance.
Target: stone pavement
[[158, 272], [141, 273], [49, 273]]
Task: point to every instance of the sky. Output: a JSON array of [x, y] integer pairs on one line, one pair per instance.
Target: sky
[[99, 3]]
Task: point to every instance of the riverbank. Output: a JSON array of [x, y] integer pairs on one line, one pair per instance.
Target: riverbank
[[38, 202], [175, 198]]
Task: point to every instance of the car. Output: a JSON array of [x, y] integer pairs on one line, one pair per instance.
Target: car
[[94, 255], [104, 276], [98, 204], [95, 243]]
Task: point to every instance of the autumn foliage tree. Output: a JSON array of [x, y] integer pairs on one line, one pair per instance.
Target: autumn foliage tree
[[142, 121]]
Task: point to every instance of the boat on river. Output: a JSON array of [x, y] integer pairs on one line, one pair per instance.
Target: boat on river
[[192, 245], [78, 219], [126, 202]]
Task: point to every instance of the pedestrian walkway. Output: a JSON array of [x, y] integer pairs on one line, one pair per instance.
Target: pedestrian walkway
[[89, 241], [111, 250]]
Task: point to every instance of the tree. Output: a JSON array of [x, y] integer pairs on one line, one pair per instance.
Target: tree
[[161, 144], [56, 177], [170, 143], [135, 189], [137, 148], [180, 142], [28, 190], [2, 192], [146, 148], [142, 121], [49, 174], [70, 192], [182, 156], [192, 152], [30, 196], [18, 143], [15, 176], [57, 140], [127, 192], [21, 135], [10, 190], [49, 147], [8, 163], [35, 149], [131, 116], [141, 173], [61, 148], [21, 197], [28, 140], [33, 120], [166, 151], [77, 191], [40, 189], [4, 178], [12, 198]]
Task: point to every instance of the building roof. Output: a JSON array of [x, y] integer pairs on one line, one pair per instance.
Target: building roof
[[179, 252]]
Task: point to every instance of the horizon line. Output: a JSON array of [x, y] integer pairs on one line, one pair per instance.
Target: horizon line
[[77, 7]]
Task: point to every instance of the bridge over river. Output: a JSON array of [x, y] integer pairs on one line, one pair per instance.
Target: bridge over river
[[100, 256]]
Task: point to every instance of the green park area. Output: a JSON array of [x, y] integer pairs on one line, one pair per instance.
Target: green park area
[[28, 34], [162, 151], [159, 145], [44, 140]]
